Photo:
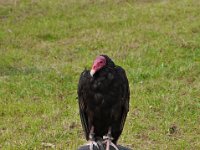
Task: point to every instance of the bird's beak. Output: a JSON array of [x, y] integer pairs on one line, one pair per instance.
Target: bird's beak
[[92, 72]]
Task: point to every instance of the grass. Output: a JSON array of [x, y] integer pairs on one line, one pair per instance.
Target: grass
[[44, 46]]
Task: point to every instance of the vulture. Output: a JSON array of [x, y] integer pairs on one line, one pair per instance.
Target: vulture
[[103, 97]]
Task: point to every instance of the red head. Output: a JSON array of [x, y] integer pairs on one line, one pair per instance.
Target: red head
[[99, 63]]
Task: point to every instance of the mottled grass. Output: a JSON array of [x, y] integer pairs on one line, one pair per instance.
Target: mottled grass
[[44, 46]]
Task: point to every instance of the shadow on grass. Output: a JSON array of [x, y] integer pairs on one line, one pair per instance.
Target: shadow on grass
[[11, 71], [47, 37]]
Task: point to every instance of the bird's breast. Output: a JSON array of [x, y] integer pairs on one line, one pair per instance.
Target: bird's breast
[[99, 98]]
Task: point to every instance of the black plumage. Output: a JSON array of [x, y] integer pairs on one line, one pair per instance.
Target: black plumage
[[104, 100]]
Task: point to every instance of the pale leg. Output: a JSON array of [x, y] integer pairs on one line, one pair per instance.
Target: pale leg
[[92, 142], [108, 140]]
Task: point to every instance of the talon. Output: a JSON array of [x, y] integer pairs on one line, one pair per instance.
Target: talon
[[113, 145], [108, 140], [109, 143], [92, 144]]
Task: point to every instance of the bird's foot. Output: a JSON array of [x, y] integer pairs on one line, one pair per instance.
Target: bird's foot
[[92, 144], [108, 141]]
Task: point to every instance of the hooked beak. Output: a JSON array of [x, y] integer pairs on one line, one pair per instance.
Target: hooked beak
[[92, 72]]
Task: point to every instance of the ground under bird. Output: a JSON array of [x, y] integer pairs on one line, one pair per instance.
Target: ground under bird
[[103, 97]]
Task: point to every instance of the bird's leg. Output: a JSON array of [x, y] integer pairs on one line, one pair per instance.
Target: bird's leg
[[108, 140], [91, 135], [92, 139]]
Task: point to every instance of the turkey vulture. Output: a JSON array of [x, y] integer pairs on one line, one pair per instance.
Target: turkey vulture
[[103, 96]]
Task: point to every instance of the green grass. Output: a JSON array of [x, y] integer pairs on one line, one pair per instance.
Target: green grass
[[45, 45]]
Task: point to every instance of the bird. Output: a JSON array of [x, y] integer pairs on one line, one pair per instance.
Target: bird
[[103, 100]]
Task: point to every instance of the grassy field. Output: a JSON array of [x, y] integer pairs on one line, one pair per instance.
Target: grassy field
[[45, 45]]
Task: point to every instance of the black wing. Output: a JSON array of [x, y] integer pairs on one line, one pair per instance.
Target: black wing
[[82, 95], [125, 95]]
